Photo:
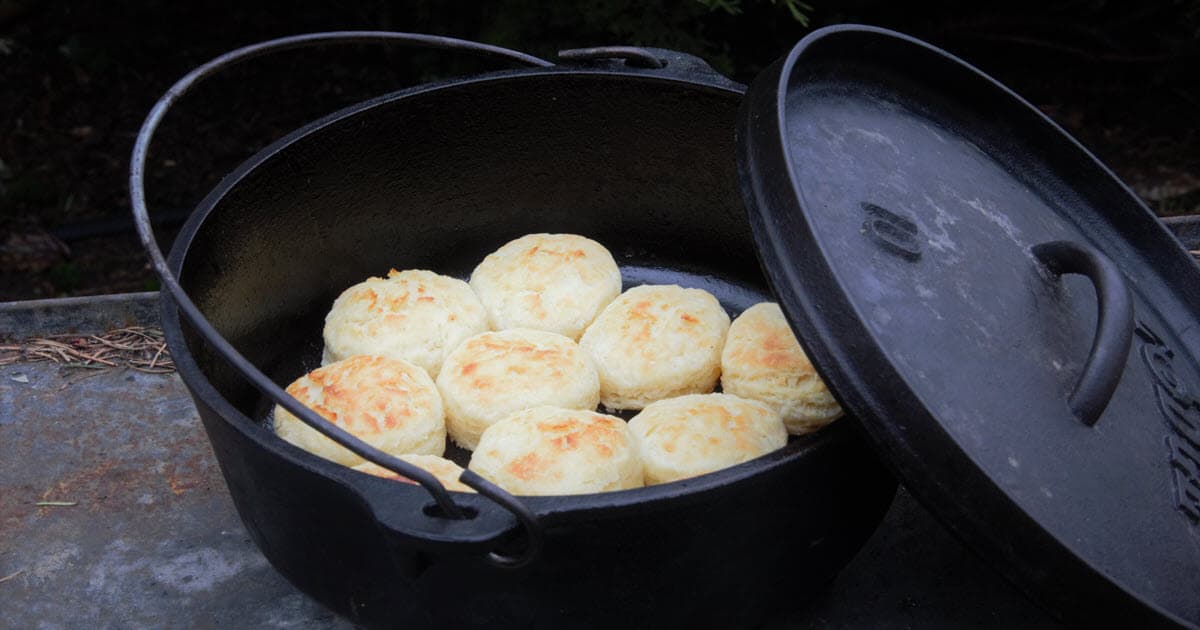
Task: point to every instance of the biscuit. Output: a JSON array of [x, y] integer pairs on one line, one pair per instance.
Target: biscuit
[[553, 451], [445, 470], [697, 434], [390, 404], [762, 360], [656, 342], [494, 374], [415, 315], [552, 282]]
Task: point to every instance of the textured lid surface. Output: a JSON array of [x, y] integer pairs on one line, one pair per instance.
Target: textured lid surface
[[1015, 330]]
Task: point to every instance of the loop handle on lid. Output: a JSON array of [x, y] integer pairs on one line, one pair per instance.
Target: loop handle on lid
[[191, 312], [1114, 326]]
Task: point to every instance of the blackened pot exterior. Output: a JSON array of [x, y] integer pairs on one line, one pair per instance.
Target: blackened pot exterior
[[435, 178], [729, 558]]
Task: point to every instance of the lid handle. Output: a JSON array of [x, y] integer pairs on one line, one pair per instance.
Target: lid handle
[[1114, 326]]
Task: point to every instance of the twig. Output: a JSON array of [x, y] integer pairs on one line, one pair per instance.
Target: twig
[[154, 359], [51, 343], [152, 371], [48, 356], [50, 349], [92, 357], [12, 575], [56, 503], [135, 347], [98, 369], [152, 335], [110, 344]]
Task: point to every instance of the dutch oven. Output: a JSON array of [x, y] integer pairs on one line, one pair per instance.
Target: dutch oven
[[1007, 326]]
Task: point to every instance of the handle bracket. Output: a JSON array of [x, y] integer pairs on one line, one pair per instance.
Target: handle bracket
[[633, 55], [655, 61]]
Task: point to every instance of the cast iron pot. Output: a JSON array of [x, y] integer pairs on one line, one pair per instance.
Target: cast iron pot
[[435, 177]]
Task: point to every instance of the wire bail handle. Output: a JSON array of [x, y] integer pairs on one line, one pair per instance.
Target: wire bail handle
[[137, 198]]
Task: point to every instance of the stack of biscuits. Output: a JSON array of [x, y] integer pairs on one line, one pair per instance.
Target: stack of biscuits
[[518, 365]]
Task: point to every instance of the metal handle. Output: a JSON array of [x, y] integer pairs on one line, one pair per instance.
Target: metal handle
[[1114, 326], [633, 55], [655, 61], [264, 384]]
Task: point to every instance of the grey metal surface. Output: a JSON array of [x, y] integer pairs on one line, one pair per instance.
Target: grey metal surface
[[1186, 229], [146, 536], [913, 573], [150, 538], [32, 318]]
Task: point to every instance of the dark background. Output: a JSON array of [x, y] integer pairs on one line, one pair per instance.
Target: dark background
[[76, 78]]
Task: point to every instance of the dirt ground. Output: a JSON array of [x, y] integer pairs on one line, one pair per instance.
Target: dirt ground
[[76, 78]]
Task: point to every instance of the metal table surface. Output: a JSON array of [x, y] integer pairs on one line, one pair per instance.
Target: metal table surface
[[152, 540], [148, 538]]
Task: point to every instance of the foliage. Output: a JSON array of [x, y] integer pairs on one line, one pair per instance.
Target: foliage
[[737, 37], [798, 10], [76, 78]]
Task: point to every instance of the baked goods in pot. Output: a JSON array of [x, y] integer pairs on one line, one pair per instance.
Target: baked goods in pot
[[762, 360], [551, 451], [692, 435], [655, 342], [445, 470], [415, 315], [524, 398], [552, 282], [493, 374], [390, 404]]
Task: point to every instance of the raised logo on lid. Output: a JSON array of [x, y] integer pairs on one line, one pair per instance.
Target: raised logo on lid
[[1181, 412]]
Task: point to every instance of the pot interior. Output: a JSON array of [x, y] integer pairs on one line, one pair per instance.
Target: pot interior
[[438, 178]]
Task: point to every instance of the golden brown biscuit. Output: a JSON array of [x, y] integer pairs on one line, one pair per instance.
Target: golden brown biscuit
[[701, 433], [655, 342], [445, 470], [553, 451], [763, 361], [552, 282], [494, 374], [390, 404], [415, 315]]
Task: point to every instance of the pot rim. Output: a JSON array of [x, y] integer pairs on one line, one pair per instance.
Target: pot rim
[[649, 497]]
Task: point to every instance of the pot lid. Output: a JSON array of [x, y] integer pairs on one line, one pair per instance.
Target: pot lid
[[1016, 332]]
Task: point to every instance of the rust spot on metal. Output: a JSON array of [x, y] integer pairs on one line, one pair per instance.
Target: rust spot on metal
[[120, 441]]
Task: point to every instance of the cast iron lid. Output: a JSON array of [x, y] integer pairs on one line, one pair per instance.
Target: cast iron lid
[[1016, 331]]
